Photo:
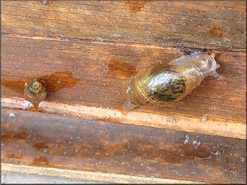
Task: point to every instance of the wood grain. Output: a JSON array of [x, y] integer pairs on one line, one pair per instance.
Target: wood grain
[[87, 53], [227, 129], [48, 140], [95, 74], [197, 24], [83, 177]]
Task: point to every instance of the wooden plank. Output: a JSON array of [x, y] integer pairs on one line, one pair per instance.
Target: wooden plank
[[48, 140], [81, 176], [91, 74], [20, 174], [228, 129], [201, 24]]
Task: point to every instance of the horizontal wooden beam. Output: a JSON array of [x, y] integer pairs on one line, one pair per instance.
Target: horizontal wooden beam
[[227, 129], [91, 176], [196, 24], [49, 140], [91, 78]]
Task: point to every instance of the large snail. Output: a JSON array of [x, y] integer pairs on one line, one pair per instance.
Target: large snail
[[161, 84], [35, 91]]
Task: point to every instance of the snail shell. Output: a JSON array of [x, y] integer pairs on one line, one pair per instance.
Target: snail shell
[[161, 84], [35, 92]]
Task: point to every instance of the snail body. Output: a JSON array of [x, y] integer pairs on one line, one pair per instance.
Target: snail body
[[161, 84], [35, 92]]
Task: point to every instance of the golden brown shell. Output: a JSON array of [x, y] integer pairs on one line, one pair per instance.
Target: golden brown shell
[[158, 85], [35, 92], [161, 84]]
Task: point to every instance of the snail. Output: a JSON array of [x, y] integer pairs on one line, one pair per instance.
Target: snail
[[35, 92], [161, 84]]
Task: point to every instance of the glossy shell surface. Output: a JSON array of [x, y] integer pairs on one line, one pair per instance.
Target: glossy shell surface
[[160, 84], [35, 92]]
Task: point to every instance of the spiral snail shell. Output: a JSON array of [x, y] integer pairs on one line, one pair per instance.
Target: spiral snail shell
[[35, 91], [161, 84]]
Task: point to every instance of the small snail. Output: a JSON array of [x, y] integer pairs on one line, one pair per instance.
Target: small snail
[[35, 92], [161, 84]]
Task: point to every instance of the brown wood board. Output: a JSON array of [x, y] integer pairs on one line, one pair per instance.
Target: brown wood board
[[93, 74], [197, 24], [87, 53], [49, 140]]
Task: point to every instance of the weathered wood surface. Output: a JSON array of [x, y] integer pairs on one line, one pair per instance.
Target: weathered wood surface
[[197, 24], [87, 53], [97, 75], [18, 174], [82, 176], [48, 140]]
